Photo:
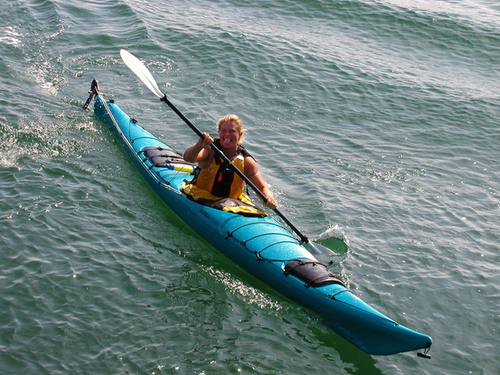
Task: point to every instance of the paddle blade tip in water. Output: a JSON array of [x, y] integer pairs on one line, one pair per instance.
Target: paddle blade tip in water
[[333, 239], [337, 245]]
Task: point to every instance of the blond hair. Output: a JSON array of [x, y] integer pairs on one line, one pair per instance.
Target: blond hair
[[234, 119]]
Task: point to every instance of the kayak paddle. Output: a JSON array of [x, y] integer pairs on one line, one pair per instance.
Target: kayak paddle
[[143, 73]]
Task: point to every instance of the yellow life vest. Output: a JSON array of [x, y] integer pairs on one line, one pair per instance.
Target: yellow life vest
[[218, 186], [219, 178]]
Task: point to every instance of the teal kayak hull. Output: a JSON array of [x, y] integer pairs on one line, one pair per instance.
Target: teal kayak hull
[[262, 247]]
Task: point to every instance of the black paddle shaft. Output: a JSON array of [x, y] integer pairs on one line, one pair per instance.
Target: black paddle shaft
[[238, 172]]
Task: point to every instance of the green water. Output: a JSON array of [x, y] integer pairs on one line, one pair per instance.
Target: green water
[[374, 121]]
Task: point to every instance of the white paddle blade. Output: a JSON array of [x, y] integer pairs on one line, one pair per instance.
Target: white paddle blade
[[316, 248], [140, 70]]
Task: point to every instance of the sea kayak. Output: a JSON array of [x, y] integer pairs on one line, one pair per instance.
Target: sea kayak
[[260, 245]]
